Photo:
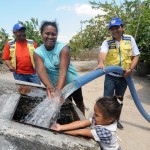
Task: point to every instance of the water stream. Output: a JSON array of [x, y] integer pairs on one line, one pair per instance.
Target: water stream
[[45, 113]]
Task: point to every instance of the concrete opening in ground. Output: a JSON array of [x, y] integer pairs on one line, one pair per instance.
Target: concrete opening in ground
[[32, 96]]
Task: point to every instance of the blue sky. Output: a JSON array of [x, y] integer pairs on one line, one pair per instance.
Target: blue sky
[[68, 14]]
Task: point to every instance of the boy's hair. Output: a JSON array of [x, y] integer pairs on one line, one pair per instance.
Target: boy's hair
[[47, 23], [110, 107]]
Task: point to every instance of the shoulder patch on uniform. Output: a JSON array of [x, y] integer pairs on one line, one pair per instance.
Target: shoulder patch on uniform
[[30, 41], [112, 47], [110, 42], [126, 37], [12, 42]]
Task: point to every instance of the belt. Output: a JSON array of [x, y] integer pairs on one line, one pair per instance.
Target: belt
[[116, 73]]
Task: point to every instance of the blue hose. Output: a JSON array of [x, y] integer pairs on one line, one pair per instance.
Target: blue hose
[[99, 72]]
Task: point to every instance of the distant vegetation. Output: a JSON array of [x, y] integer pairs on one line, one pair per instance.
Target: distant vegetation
[[135, 15]]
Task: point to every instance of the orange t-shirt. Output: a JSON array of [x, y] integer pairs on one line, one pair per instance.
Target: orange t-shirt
[[23, 60]]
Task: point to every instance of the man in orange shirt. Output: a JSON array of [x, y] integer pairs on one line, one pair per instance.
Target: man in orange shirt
[[18, 56]]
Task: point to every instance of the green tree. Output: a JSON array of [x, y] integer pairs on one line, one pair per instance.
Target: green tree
[[3, 38], [32, 30], [75, 45], [136, 18]]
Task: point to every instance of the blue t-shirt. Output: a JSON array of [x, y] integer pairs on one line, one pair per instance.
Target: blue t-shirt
[[52, 61]]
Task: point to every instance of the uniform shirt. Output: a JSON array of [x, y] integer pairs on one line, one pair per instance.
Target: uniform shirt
[[105, 47], [23, 60], [135, 51]]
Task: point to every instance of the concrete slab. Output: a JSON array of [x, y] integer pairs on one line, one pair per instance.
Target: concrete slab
[[136, 133], [18, 136]]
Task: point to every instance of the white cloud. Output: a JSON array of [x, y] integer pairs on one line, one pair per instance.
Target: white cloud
[[85, 9], [63, 38], [64, 8], [66, 38], [82, 9]]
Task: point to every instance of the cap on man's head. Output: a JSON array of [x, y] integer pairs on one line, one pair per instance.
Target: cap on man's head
[[18, 26], [115, 22]]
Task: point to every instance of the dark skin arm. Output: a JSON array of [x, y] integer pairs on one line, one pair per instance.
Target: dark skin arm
[[6, 59], [63, 68], [39, 64], [9, 65], [64, 64]]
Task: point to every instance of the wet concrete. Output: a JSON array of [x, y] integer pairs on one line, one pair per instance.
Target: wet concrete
[[18, 136], [136, 133]]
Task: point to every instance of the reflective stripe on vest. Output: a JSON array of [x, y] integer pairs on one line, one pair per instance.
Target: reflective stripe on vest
[[12, 44], [119, 56]]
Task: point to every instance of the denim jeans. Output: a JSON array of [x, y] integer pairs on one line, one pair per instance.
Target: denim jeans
[[114, 86], [33, 78]]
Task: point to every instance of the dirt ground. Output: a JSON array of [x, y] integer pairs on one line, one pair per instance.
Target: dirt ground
[[136, 133]]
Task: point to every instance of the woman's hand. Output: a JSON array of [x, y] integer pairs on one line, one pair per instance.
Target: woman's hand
[[49, 90]]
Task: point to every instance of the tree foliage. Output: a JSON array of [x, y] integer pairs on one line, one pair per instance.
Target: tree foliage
[[32, 30], [135, 15], [75, 44], [3, 38]]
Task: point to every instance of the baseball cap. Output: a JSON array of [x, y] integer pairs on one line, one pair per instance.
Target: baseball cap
[[115, 22], [18, 26]]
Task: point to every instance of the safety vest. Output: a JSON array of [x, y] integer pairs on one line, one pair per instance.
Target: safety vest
[[12, 44], [119, 56]]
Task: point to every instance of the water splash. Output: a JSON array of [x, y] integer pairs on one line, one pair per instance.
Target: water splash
[[45, 113], [69, 89]]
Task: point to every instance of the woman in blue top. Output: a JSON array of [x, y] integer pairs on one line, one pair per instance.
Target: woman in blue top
[[52, 60]]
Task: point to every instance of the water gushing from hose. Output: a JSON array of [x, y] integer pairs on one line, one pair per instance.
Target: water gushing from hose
[[45, 113]]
